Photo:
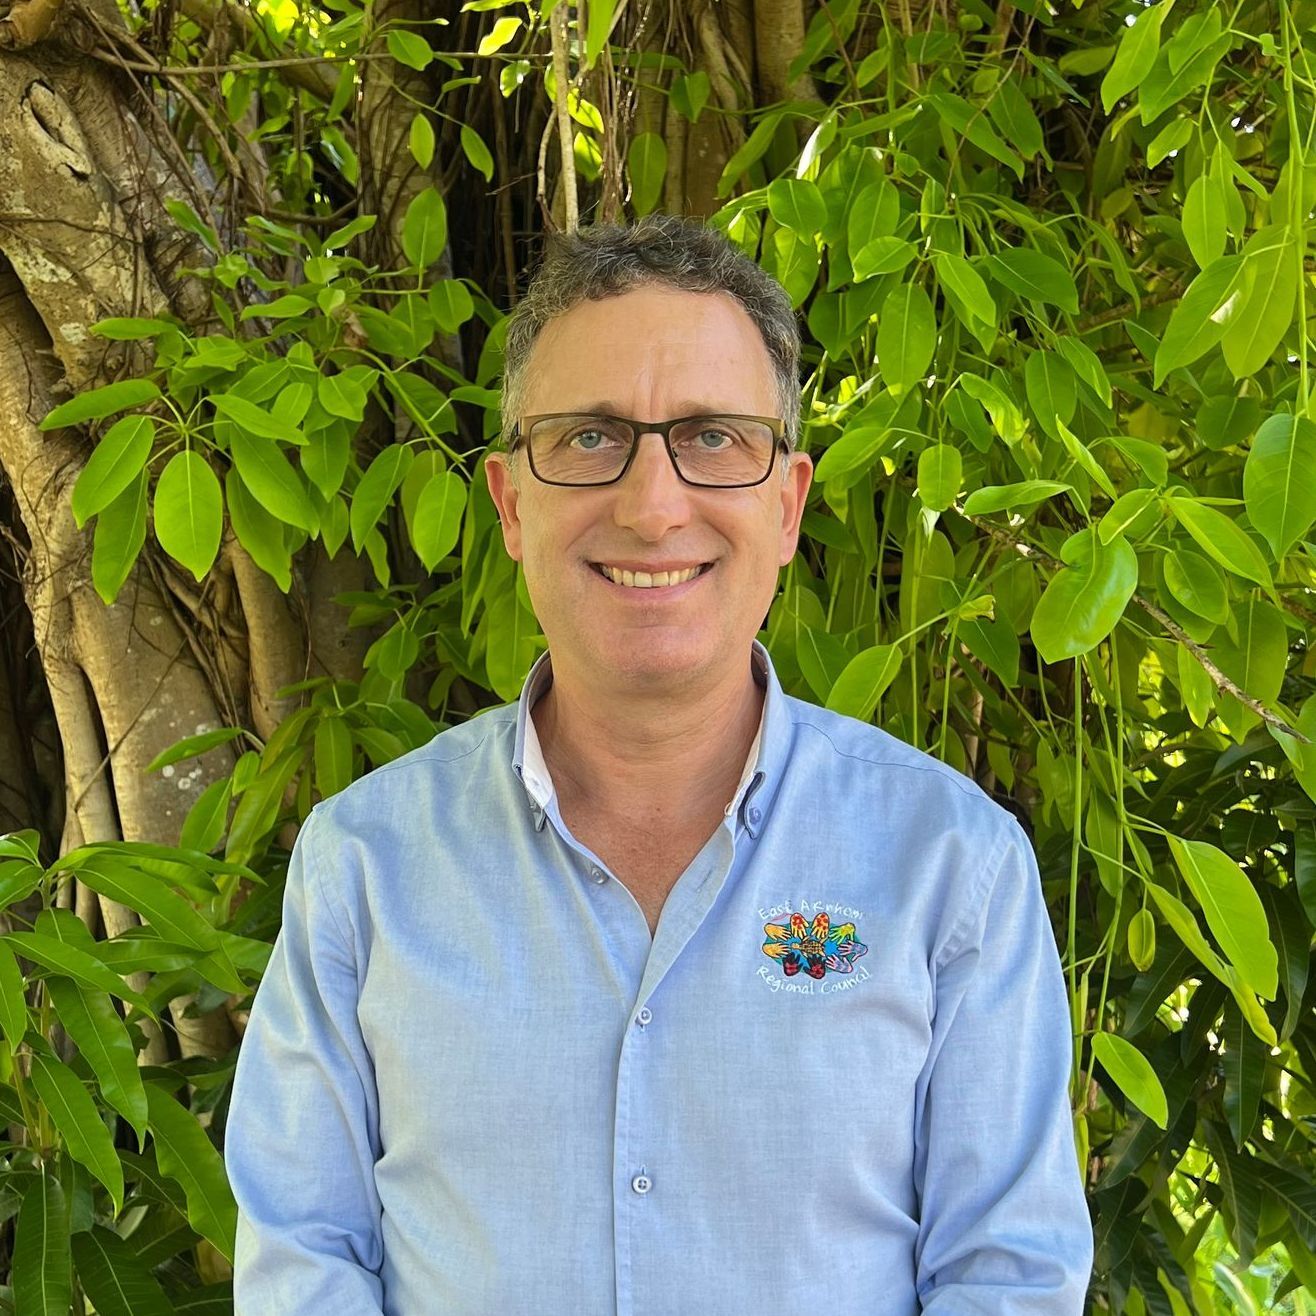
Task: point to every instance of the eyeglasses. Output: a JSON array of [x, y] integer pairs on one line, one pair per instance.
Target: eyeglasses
[[722, 452]]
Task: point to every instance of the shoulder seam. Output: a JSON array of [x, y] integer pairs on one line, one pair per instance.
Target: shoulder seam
[[961, 783], [313, 869], [990, 876]]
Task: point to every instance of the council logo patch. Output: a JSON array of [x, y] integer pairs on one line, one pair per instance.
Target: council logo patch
[[818, 948]]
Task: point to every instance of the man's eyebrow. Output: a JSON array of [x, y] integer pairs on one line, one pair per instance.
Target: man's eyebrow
[[682, 409]]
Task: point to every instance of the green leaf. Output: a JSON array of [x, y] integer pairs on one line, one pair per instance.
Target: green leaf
[[1197, 584], [689, 94], [1087, 366], [797, 203], [1233, 910], [1052, 390], [127, 329], [74, 963], [90, 1019], [1007, 497], [113, 465], [1204, 220], [75, 1115], [264, 537], [882, 256], [341, 395], [1142, 940], [499, 35], [1255, 655], [959, 278], [271, 481], [1133, 1074], [863, 680], [1013, 115], [101, 402], [425, 229], [969, 120], [476, 151], [1167, 84], [858, 447], [409, 48], [1272, 265], [340, 237], [1136, 54], [511, 647], [601, 15], [940, 474], [754, 146], [204, 825], [13, 1003], [1245, 1074], [1222, 538], [1173, 137], [1197, 324], [170, 915], [646, 161], [187, 1155], [189, 511], [115, 1277], [1128, 515], [120, 534], [252, 419], [420, 140], [42, 1273], [1034, 275], [333, 756], [376, 490], [1279, 481], [873, 214], [192, 746], [436, 524], [451, 303], [906, 337], [1083, 601]]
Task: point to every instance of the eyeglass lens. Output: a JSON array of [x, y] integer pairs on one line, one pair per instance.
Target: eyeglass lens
[[715, 450]]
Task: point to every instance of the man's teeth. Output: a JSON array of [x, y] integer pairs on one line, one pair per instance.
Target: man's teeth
[[645, 580]]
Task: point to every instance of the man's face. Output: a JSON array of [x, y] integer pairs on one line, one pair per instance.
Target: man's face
[[651, 354]]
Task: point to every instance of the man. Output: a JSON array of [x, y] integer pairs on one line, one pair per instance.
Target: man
[[659, 990]]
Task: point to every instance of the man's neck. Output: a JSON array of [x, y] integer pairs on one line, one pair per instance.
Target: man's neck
[[650, 763]]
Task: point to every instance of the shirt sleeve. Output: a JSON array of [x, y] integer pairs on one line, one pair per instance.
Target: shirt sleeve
[[302, 1133], [1004, 1226]]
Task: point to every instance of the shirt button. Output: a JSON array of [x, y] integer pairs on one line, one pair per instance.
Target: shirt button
[[598, 875], [641, 1183], [644, 1016], [755, 814]]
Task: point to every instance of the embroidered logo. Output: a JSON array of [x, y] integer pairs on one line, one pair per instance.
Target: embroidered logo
[[814, 947]]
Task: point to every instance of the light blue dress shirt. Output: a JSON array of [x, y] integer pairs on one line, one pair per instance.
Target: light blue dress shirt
[[834, 1080]]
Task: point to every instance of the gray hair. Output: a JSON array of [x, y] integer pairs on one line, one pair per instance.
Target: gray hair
[[606, 260]]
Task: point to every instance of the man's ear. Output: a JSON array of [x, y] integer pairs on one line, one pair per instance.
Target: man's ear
[[794, 490], [506, 497]]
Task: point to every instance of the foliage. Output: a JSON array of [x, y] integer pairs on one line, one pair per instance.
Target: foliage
[[1054, 265]]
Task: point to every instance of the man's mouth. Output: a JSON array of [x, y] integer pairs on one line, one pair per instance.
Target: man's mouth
[[648, 579]]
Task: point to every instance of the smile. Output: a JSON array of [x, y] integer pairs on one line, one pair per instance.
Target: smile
[[649, 580]]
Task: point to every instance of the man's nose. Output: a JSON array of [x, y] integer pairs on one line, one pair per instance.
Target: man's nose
[[652, 498]]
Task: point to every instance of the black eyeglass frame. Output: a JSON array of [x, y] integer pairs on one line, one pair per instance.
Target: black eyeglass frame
[[638, 429]]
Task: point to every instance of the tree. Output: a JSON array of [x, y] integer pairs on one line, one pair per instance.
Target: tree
[[1053, 265]]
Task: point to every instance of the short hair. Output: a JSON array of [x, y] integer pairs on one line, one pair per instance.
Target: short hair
[[606, 260]]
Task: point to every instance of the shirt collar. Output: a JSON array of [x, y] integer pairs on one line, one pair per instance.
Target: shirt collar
[[763, 763]]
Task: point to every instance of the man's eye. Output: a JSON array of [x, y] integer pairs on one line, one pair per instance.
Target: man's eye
[[712, 440], [589, 440]]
